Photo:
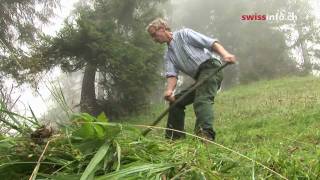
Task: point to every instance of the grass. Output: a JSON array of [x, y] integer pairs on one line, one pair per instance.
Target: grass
[[264, 128], [275, 122]]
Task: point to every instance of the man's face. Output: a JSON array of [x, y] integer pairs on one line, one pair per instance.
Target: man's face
[[158, 35]]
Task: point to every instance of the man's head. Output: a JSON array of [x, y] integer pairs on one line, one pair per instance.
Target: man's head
[[159, 31]]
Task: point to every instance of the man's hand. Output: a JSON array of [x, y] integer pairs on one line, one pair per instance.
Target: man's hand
[[171, 85], [168, 96], [229, 58]]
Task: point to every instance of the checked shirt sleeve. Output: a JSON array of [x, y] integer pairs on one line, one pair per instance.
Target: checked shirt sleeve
[[170, 68]]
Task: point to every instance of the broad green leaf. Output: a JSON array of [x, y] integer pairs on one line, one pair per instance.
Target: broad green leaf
[[86, 131], [102, 118], [95, 161], [99, 131]]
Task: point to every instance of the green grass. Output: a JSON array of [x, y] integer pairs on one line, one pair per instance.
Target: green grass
[[274, 122], [264, 128]]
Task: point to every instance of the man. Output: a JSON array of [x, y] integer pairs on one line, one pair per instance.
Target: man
[[186, 52]]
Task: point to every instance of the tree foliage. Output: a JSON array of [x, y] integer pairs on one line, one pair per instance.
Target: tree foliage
[[19, 21], [101, 38]]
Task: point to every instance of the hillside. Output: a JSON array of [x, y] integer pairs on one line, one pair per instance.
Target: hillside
[[275, 122], [268, 129]]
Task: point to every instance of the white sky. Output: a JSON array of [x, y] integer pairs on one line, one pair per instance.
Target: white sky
[[28, 96], [61, 14]]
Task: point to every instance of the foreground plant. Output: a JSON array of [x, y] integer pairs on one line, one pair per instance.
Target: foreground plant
[[93, 148]]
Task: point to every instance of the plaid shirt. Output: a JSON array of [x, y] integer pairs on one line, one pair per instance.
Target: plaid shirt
[[186, 51]]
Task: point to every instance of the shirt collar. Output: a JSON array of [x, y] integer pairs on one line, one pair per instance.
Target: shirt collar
[[172, 40]]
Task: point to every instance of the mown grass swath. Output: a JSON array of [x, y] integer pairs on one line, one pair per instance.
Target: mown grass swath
[[277, 129]]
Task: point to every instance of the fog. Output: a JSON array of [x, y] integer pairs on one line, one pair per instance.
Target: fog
[[270, 39]]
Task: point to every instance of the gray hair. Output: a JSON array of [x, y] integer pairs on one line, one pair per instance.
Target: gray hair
[[157, 23]]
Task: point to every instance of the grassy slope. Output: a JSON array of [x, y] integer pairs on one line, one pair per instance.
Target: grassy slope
[[274, 122]]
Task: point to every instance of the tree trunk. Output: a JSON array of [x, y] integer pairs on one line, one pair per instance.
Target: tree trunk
[[88, 101], [100, 88], [306, 66]]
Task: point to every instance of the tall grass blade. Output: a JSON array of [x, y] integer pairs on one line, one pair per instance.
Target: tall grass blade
[[35, 121], [136, 169], [10, 114], [95, 161], [12, 125], [59, 97]]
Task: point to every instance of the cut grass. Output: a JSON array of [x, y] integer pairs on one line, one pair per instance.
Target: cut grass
[[275, 122], [266, 130]]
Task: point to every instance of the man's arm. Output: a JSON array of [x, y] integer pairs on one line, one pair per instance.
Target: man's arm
[[199, 40], [171, 85], [227, 57]]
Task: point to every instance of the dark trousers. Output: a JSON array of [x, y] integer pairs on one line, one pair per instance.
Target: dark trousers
[[202, 99]]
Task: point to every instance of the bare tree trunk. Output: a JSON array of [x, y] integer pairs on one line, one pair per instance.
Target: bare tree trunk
[[88, 101], [100, 94], [307, 66]]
